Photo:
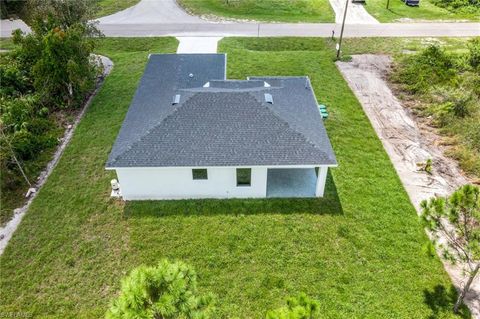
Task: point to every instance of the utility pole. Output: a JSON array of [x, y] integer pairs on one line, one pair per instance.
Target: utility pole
[[339, 45]]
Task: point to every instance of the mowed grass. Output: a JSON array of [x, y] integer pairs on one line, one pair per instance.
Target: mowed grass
[[6, 44], [399, 46], [265, 10], [399, 11], [107, 7], [360, 250], [67, 256]]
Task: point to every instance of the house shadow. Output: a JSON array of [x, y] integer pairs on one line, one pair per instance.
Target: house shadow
[[328, 205], [441, 301]]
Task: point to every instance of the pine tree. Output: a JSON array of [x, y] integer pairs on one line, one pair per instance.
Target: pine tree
[[455, 226], [165, 291]]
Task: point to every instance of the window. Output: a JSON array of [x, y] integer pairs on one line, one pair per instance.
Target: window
[[244, 176], [199, 173]]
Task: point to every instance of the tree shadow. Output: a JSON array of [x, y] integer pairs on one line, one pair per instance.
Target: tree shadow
[[328, 205], [441, 301]]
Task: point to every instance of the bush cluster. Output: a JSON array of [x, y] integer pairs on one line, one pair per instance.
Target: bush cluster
[[48, 74], [420, 72], [464, 6], [10, 8], [446, 87]]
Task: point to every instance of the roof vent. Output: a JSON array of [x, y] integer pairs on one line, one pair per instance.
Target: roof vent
[[265, 84], [268, 98], [190, 75], [176, 99], [206, 85]]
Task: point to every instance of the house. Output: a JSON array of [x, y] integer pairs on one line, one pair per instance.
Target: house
[[191, 133]]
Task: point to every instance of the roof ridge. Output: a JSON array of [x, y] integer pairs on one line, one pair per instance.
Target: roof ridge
[[147, 132], [279, 117]]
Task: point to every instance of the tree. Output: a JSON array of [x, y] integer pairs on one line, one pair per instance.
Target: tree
[[63, 14], [166, 291], [57, 54], [300, 307], [455, 226], [11, 8]]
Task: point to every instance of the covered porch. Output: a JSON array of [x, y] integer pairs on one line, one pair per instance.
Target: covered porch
[[296, 182]]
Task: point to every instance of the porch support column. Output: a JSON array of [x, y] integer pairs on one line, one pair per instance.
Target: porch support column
[[321, 180]]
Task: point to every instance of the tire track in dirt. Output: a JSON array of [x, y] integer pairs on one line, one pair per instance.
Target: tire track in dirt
[[407, 145]]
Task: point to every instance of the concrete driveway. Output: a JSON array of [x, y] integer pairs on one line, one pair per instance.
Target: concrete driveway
[[151, 11], [356, 13]]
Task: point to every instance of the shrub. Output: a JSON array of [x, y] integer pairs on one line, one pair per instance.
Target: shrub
[[300, 307], [457, 102], [474, 53], [14, 81], [17, 112], [49, 70], [467, 6], [11, 7], [26, 127], [43, 15], [59, 63], [56, 55], [419, 72], [168, 290]]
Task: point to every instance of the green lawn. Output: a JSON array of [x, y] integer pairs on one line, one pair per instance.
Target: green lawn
[[397, 46], [107, 7], [360, 250], [425, 11], [264, 10], [6, 44]]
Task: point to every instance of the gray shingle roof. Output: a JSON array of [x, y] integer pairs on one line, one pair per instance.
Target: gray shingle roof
[[226, 123]]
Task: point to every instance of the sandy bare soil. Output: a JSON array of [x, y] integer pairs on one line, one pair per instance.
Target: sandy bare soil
[[407, 143], [7, 231]]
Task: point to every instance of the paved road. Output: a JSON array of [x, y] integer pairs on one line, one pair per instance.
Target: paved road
[[166, 18], [300, 29], [276, 30]]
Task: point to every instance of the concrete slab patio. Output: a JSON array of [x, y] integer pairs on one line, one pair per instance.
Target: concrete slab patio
[[291, 182]]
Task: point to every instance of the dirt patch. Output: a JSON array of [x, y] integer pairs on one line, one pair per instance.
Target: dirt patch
[[408, 142]]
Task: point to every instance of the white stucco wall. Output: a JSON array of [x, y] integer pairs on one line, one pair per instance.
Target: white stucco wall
[[321, 181], [177, 183]]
